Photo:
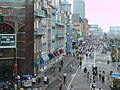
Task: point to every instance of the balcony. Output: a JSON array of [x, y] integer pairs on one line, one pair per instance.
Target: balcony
[[53, 11], [39, 32], [60, 35], [39, 13], [52, 37], [58, 22], [53, 24], [60, 46], [13, 1]]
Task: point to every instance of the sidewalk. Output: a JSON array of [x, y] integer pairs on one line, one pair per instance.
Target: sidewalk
[[53, 76]]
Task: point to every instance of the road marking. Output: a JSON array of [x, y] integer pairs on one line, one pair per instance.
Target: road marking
[[72, 78]]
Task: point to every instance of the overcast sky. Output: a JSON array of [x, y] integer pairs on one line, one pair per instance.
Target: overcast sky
[[105, 13]]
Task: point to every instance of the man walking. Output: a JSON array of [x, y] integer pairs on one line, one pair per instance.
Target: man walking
[[64, 77]]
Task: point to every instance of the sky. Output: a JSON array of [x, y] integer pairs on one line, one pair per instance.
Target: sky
[[105, 13]]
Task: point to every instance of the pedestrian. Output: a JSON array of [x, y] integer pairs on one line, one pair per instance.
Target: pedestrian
[[71, 87], [103, 76], [64, 77], [70, 67], [54, 67], [60, 68], [85, 70], [61, 63], [93, 85], [39, 79], [78, 63], [108, 76], [21, 88], [88, 74], [15, 86], [60, 87], [45, 79], [4, 87], [108, 61], [90, 79], [100, 75], [33, 80]]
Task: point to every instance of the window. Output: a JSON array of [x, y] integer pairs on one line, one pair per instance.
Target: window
[[43, 47]]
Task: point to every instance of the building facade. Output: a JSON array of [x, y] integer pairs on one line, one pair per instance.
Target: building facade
[[18, 21], [79, 7], [66, 7]]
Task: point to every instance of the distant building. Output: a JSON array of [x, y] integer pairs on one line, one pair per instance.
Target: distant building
[[114, 32], [79, 7], [94, 30]]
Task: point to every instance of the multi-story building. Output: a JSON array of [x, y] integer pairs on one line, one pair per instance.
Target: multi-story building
[[66, 7], [40, 35], [77, 29], [79, 7], [16, 49], [60, 30], [51, 31], [114, 32], [95, 30]]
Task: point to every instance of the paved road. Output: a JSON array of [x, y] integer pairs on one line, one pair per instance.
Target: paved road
[[77, 78]]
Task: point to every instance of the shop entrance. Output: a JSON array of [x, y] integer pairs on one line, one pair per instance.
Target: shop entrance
[[6, 70]]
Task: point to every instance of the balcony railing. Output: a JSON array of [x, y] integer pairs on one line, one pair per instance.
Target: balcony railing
[[39, 13], [53, 24], [39, 32], [12, 1], [60, 34], [60, 22], [60, 46]]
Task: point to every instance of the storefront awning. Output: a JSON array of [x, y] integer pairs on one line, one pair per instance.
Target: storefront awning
[[45, 57], [50, 56], [56, 53], [41, 61], [61, 51]]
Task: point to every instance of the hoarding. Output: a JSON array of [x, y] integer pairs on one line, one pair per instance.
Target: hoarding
[[7, 41]]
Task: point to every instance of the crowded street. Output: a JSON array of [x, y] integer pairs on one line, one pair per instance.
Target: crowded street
[[59, 45], [77, 78]]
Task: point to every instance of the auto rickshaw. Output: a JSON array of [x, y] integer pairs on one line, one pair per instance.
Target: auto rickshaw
[[115, 81]]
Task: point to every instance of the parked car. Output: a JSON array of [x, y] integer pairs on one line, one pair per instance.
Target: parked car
[[27, 80]]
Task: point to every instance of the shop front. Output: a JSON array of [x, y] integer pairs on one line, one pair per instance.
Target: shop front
[[44, 62], [7, 52], [36, 66]]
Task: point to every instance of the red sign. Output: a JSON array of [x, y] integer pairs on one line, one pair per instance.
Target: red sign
[[6, 29]]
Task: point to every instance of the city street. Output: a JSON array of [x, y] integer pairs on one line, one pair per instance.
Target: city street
[[77, 78]]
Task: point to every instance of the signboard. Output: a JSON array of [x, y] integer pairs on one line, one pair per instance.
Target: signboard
[[7, 41], [6, 29]]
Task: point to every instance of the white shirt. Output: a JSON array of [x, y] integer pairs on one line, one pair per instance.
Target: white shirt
[[33, 79], [64, 74], [45, 78]]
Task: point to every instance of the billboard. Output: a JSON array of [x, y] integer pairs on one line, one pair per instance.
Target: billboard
[[7, 40]]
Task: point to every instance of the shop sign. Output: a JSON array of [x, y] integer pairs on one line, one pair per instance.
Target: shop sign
[[6, 29], [7, 41]]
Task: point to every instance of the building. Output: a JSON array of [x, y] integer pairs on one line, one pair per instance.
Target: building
[[40, 35], [95, 30], [17, 27], [66, 7], [79, 7], [114, 32]]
